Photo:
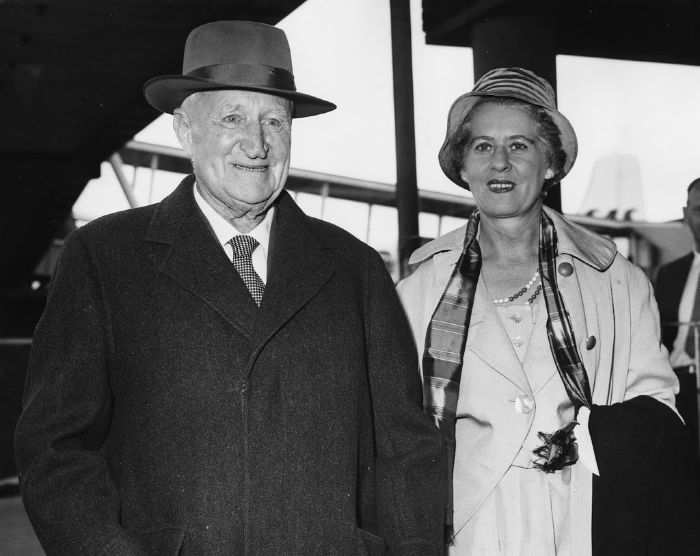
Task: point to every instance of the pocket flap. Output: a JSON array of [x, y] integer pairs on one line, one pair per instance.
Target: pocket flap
[[373, 545]]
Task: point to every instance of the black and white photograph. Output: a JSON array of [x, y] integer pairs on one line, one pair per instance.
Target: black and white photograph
[[352, 278]]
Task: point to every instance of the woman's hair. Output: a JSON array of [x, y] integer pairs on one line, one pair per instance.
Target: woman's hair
[[547, 133]]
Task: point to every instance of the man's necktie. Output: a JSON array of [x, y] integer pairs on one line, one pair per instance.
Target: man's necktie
[[243, 247], [694, 316]]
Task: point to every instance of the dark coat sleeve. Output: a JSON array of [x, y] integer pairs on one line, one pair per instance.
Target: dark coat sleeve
[[66, 485], [647, 497], [668, 289], [410, 468], [663, 299]]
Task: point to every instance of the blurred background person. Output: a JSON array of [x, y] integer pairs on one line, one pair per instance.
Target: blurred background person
[[676, 289]]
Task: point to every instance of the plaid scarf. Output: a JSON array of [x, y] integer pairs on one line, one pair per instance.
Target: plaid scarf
[[446, 339], [444, 346]]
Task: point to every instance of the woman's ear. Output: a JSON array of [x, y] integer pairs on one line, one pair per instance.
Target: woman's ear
[[463, 174], [549, 174]]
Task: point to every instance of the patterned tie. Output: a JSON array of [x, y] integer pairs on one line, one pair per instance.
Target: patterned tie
[[243, 247]]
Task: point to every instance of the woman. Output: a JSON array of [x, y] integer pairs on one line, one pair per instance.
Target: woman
[[527, 322]]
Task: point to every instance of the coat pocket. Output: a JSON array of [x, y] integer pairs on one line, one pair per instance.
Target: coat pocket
[[370, 544], [166, 540], [163, 540]]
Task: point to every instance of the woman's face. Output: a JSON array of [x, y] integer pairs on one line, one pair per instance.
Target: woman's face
[[504, 163]]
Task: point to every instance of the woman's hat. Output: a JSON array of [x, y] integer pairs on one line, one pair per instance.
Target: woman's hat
[[517, 83], [234, 55]]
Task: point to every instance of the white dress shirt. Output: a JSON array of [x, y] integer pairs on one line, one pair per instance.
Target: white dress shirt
[[224, 231], [679, 357]]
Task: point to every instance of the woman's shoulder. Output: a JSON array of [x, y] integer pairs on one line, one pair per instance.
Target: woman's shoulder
[[450, 241], [633, 274], [581, 243], [430, 266]]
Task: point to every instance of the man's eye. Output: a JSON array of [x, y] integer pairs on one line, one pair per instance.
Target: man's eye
[[277, 123], [232, 119]]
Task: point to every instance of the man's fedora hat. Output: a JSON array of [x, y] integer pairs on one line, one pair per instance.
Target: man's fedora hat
[[234, 55]]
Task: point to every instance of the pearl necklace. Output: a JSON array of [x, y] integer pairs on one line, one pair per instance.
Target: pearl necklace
[[522, 290]]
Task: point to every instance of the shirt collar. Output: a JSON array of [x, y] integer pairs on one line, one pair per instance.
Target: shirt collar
[[224, 230]]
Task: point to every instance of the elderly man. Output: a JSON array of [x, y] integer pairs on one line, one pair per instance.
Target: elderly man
[[219, 373]]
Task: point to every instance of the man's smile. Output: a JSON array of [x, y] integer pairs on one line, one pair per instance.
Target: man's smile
[[250, 168]]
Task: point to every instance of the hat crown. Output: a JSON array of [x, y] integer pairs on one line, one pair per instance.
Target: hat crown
[[236, 42], [516, 83], [234, 55]]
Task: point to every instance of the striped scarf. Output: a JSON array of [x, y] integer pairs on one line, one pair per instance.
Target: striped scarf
[[446, 339]]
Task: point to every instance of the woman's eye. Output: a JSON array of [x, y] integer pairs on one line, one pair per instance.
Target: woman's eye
[[482, 147], [518, 146]]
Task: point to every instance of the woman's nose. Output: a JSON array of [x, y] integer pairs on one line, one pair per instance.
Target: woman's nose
[[253, 143], [500, 160]]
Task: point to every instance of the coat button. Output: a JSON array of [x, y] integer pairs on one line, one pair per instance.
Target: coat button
[[524, 404], [566, 269], [590, 342]]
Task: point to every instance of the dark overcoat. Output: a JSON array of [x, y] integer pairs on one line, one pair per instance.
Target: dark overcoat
[[166, 414], [668, 289]]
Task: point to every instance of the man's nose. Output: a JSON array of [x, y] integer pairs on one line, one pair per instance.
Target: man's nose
[[500, 161], [253, 143]]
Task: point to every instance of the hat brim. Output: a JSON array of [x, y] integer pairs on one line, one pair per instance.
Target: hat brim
[[166, 93], [463, 105]]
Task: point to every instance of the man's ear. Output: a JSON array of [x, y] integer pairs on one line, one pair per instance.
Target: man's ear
[[183, 130]]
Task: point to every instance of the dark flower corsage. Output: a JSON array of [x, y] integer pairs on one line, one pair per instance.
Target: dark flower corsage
[[558, 450]]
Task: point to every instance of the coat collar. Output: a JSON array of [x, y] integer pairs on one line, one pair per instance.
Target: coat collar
[[594, 250], [298, 263]]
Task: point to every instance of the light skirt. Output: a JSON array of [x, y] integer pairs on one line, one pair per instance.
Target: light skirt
[[527, 514]]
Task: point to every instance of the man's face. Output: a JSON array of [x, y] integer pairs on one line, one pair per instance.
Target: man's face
[[239, 143], [691, 213]]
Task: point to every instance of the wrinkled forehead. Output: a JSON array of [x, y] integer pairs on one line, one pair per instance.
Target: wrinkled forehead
[[212, 102]]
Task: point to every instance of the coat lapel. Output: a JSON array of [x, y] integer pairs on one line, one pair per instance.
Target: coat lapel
[[197, 262], [488, 345], [489, 341], [675, 291], [299, 264]]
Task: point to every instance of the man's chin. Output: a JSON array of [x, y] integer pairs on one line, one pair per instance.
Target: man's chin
[[254, 205]]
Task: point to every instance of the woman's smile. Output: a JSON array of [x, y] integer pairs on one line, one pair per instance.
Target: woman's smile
[[500, 186]]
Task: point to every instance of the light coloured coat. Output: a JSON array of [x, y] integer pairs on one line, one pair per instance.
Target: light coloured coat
[[616, 326]]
